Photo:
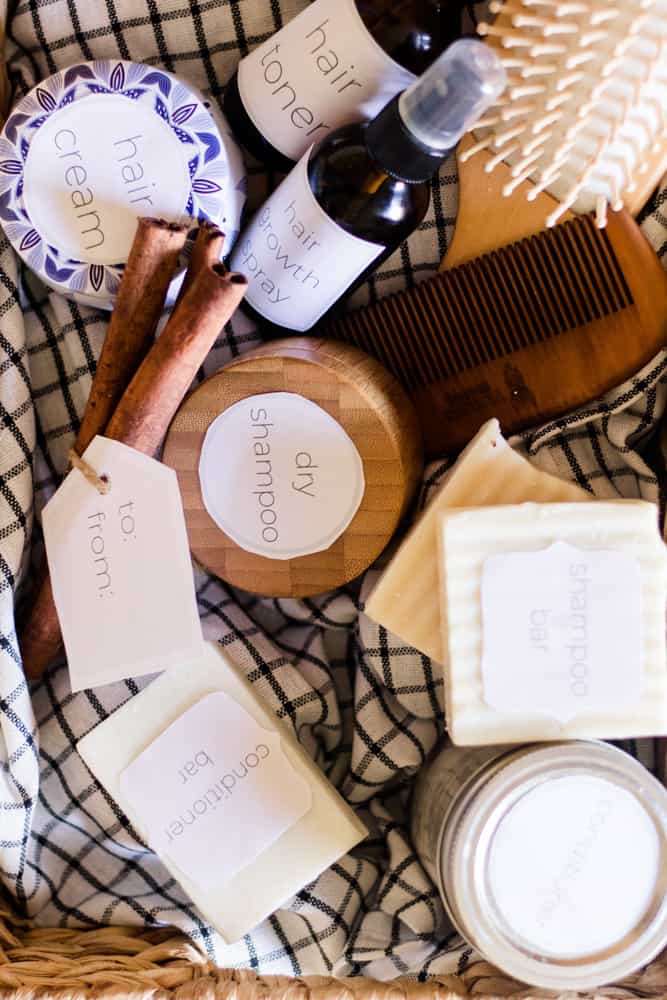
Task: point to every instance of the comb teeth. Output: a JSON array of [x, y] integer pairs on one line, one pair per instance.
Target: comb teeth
[[478, 312], [588, 81]]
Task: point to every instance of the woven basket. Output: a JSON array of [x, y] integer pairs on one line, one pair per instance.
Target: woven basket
[[134, 964]]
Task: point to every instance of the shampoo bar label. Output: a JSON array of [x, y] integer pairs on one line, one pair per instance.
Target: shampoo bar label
[[298, 262], [323, 70], [562, 631], [215, 790], [280, 476]]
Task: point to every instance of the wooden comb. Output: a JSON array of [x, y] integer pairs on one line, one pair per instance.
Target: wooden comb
[[525, 333]]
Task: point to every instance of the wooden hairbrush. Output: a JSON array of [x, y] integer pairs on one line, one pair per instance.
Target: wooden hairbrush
[[557, 316], [525, 333], [582, 123]]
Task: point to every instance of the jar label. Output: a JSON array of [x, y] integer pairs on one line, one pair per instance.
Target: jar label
[[215, 785], [322, 70], [85, 186], [563, 855], [280, 476], [298, 262], [561, 631]]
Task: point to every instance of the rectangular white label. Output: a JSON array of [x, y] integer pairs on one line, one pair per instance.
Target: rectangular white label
[[562, 631], [120, 569], [322, 70], [215, 790], [297, 260]]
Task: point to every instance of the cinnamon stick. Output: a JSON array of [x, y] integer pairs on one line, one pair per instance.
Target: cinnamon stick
[[206, 251], [147, 407], [149, 403], [143, 288]]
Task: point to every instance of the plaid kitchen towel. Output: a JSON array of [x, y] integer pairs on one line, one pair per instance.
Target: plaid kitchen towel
[[366, 707]]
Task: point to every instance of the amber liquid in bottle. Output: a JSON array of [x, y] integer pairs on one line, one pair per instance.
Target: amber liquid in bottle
[[361, 198], [412, 32]]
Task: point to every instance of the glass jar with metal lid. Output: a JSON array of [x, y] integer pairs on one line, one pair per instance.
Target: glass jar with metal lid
[[551, 860]]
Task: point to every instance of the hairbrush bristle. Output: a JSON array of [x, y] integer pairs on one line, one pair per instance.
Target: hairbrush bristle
[[585, 110]]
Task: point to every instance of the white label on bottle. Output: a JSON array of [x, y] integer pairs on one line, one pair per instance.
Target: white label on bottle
[[280, 476], [562, 631], [120, 569], [214, 790], [322, 70], [564, 856], [97, 164], [297, 260]]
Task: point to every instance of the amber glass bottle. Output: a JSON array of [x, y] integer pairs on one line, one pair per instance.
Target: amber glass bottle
[[337, 62], [351, 201]]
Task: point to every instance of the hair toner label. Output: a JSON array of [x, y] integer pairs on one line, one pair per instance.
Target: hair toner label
[[321, 71]]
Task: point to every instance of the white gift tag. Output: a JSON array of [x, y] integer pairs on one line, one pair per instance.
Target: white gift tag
[[562, 632], [214, 790], [120, 569]]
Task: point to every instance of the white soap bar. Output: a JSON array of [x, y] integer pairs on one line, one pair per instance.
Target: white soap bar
[[327, 831], [577, 634], [486, 473]]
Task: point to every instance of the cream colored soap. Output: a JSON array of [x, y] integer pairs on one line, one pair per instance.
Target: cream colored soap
[[486, 473], [599, 615], [328, 830]]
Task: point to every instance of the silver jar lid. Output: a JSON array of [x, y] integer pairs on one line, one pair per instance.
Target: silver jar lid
[[553, 864]]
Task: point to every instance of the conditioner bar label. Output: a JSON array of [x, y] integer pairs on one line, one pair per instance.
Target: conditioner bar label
[[97, 164], [562, 633], [120, 569], [280, 476], [215, 790], [321, 71], [298, 262]]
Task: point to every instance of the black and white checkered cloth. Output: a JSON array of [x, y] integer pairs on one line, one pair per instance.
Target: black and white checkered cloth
[[367, 708]]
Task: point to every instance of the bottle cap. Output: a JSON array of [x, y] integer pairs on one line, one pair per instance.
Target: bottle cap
[[452, 94], [414, 133]]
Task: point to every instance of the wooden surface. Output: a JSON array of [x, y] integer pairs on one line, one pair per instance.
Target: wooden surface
[[376, 414], [486, 219], [525, 334]]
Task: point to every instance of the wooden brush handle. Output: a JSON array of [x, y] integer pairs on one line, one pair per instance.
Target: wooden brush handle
[[486, 218]]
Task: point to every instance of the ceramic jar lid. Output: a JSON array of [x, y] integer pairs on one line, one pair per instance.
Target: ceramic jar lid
[[95, 146]]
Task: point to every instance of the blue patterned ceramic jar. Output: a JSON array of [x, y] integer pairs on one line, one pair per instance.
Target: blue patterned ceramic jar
[[95, 146]]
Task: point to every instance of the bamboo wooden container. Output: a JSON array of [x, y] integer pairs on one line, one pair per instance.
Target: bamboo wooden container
[[375, 415]]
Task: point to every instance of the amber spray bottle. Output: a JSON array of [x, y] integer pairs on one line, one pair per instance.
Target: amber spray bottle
[[337, 62], [350, 201]]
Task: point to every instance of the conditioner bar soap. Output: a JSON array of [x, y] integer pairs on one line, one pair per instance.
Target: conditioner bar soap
[[295, 463], [222, 791], [555, 622], [95, 146], [487, 473]]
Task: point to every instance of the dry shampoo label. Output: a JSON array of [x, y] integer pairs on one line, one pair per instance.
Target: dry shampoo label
[[280, 476], [562, 631], [214, 790], [321, 71], [297, 260]]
